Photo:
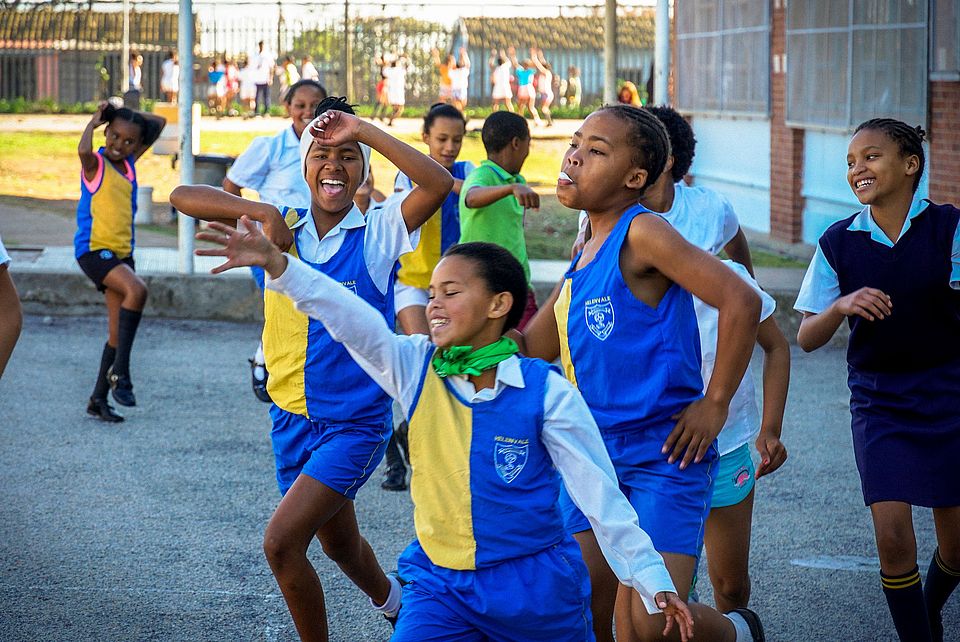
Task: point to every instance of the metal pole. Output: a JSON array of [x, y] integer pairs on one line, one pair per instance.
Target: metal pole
[[661, 62], [125, 49], [610, 52], [185, 224], [347, 52]]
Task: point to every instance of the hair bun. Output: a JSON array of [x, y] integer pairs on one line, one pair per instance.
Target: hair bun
[[921, 132], [109, 112]]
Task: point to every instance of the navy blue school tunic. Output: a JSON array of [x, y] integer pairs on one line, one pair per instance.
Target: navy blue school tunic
[[904, 370]]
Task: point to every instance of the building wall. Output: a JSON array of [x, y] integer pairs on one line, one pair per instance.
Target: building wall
[[741, 172], [944, 160]]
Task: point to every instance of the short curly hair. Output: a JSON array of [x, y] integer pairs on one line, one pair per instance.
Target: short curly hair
[[682, 142]]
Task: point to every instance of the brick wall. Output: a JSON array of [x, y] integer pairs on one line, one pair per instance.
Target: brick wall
[[944, 161], [786, 143]]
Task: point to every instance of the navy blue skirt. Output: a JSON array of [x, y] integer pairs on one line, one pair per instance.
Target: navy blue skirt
[[906, 435]]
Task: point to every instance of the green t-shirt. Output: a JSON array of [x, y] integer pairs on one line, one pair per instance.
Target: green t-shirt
[[501, 222]]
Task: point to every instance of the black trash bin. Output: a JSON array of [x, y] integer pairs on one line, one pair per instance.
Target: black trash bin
[[211, 169]]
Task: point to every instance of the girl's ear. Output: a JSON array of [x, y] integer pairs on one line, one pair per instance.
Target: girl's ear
[[500, 305], [912, 164], [637, 178], [425, 137]]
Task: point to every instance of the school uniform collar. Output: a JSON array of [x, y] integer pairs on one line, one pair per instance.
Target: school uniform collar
[[352, 220], [508, 374], [863, 222], [499, 171], [290, 138]]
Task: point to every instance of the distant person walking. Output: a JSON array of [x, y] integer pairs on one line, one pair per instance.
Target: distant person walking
[[263, 63], [170, 77]]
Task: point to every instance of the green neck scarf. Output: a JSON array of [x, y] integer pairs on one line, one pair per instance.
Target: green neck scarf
[[464, 360]]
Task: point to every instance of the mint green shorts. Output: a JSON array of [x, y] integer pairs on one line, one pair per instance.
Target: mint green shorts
[[735, 478]]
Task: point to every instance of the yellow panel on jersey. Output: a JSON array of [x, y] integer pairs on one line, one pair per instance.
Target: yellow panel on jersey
[[441, 433], [111, 208], [285, 331], [561, 309], [416, 267]]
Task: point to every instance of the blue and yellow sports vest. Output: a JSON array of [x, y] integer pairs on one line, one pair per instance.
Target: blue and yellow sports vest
[[106, 210], [310, 373], [436, 235], [635, 366], [484, 487]]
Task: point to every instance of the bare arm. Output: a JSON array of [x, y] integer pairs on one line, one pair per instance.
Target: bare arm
[[230, 187], [457, 184], [431, 181], [817, 329], [738, 250], [11, 317], [211, 204], [540, 337], [155, 125], [776, 382], [481, 196], [88, 158]]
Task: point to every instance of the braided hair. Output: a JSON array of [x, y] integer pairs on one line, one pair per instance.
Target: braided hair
[[647, 136], [682, 142], [334, 103], [909, 139], [149, 129]]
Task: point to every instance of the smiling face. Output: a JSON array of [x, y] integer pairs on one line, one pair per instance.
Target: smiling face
[[123, 138], [444, 140], [334, 174], [598, 170], [462, 309], [876, 171], [302, 105]]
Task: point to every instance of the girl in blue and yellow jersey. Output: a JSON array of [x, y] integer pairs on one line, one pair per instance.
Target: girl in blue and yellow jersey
[[331, 421], [623, 323], [491, 436], [443, 130], [103, 244], [892, 272]]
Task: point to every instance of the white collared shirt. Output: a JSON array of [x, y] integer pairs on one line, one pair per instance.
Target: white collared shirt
[[385, 238], [569, 433], [271, 166], [821, 286]]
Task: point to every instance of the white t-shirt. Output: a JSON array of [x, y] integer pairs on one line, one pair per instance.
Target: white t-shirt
[[4, 257], [459, 79], [271, 166], [169, 75], [501, 80], [396, 84], [743, 418], [262, 64]]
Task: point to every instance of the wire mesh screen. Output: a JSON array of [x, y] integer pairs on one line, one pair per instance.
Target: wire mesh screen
[[851, 61]]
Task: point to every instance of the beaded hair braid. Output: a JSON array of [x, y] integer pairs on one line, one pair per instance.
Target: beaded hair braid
[[909, 139], [647, 136]]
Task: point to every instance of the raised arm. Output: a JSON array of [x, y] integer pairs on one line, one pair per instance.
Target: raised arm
[[88, 157], [431, 181], [208, 203], [739, 250], [155, 125]]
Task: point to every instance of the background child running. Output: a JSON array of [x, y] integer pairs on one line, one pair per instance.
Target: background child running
[[271, 167], [330, 420], [470, 573], [892, 271], [443, 130], [494, 197], [104, 242], [621, 311]]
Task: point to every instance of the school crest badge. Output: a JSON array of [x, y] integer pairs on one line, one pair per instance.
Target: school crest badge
[[510, 458], [599, 316]]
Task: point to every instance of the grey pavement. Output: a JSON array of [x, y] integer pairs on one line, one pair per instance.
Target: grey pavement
[[151, 529]]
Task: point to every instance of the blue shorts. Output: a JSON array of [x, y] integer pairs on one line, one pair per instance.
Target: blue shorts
[[672, 504], [545, 596], [340, 455], [735, 478]]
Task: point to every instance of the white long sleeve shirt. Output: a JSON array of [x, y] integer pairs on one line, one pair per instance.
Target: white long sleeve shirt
[[569, 433]]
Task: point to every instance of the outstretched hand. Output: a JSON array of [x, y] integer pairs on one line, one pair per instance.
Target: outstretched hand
[[243, 247], [676, 611], [336, 128]]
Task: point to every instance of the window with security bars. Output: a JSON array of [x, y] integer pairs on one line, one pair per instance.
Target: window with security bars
[[851, 60], [945, 42], [723, 56]]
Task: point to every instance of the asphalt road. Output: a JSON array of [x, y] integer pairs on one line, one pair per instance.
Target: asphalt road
[[151, 529]]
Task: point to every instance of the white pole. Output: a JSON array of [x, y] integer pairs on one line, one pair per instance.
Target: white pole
[[125, 50], [661, 62], [610, 52], [185, 224]]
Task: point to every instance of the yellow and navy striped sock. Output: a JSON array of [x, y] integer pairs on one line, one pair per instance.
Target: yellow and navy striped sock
[[904, 595], [941, 582]]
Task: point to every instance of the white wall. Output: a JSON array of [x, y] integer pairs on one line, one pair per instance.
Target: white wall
[[733, 157]]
